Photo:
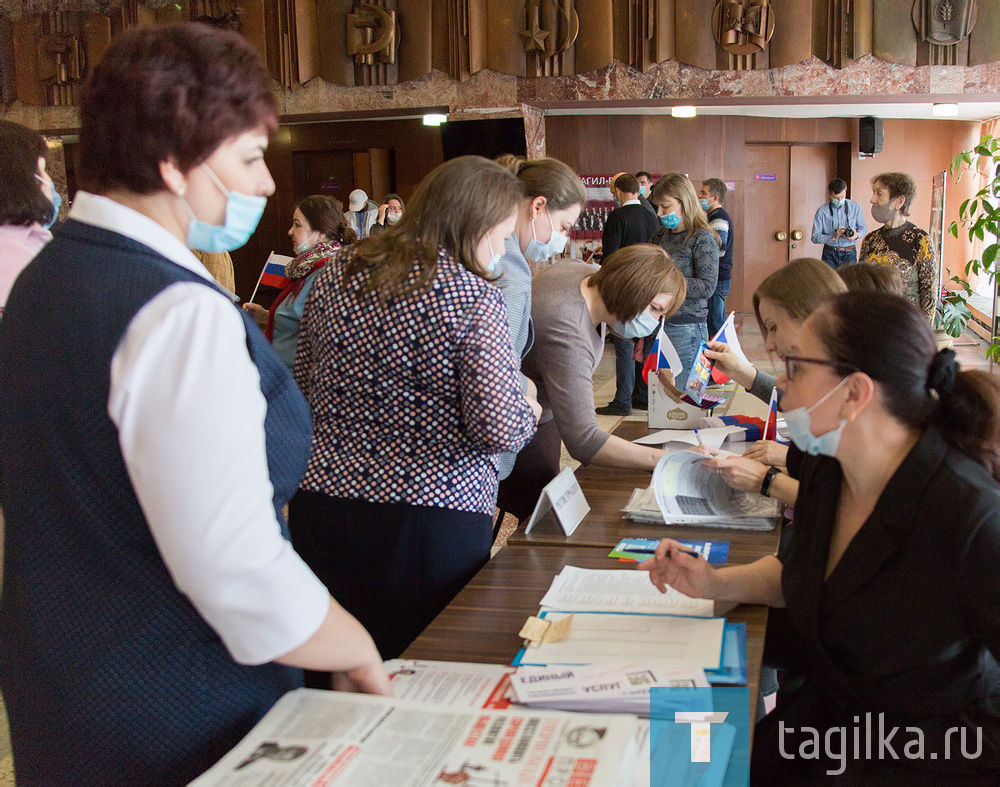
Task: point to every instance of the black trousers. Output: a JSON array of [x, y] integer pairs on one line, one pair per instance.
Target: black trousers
[[391, 565]]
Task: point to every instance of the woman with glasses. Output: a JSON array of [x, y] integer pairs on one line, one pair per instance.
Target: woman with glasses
[[889, 578]]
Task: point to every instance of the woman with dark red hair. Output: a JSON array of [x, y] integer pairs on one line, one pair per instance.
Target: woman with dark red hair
[[153, 608]]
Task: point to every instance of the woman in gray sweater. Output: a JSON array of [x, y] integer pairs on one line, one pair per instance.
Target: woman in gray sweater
[[572, 302], [694, 247]]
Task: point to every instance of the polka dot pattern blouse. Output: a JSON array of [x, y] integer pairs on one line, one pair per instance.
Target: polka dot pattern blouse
[[413, 398]]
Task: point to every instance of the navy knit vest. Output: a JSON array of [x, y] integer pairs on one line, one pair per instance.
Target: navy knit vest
[[109, 673]]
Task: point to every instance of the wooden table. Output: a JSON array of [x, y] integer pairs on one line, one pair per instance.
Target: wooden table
[[482, 621], [607, 490]]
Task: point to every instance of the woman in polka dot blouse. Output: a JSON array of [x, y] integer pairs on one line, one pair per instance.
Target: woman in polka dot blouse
[[406, 361]]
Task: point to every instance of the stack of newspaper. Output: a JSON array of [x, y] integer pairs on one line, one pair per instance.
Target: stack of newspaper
[[335, 738], [620, 687], [685, 493]]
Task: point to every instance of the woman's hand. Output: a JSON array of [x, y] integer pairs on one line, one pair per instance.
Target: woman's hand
[[381, 213], [742, 474], [367, 679], [672, 565], [731, 363], [259, 313], [769, 452]]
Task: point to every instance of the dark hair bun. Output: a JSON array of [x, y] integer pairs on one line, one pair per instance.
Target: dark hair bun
[[943, 372]]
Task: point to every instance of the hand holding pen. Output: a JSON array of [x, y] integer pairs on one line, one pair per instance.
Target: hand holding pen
[[675, 566]]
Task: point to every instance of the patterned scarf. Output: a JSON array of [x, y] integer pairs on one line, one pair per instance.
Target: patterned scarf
[[297, 270]]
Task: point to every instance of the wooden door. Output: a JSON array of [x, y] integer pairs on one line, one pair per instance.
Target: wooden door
[[785, 184], [812, 169], [765, 214]]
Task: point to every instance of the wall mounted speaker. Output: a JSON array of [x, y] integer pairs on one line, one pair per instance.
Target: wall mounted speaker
[[870, 135]]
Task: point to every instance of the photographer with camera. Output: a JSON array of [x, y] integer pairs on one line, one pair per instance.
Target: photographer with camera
[[838, 225]]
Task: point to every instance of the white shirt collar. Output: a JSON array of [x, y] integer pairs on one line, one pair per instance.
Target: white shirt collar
[[107, 214], [631, 202]]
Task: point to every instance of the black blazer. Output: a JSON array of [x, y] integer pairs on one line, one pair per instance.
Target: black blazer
[[908, 622]]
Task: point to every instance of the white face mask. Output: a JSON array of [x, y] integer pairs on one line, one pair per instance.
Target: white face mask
[[540, 252], [495, 257], [392, 218], [306, 245], [800, 428]]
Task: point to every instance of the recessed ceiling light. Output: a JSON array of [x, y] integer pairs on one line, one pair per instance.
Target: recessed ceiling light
[[683, 111], [945, 110], [435, 120]]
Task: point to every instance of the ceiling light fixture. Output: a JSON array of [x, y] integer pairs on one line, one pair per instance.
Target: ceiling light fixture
[[684, 111], [945, 110], [435, 119]]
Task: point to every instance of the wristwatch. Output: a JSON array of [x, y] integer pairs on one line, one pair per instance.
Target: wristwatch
[[765, 486]]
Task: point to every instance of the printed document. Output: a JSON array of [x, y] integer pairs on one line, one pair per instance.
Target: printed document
[[313, 737], [589, 590], [602, 637]]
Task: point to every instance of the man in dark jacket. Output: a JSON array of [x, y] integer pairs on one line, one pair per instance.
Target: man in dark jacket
[[627, 225], [711, 196]]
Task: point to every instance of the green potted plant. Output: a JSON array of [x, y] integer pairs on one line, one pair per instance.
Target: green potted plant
[[981, 219]]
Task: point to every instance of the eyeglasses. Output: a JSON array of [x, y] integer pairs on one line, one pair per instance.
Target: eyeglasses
[[792, 364]]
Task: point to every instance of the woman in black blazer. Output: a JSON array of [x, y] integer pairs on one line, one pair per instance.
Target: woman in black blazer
[[890, 576]]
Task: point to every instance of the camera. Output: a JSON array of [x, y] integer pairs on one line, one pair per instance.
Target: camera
[[849, 232]]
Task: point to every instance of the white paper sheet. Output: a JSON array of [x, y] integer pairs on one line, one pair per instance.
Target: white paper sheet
[[713, 437], [618, 591], [599, 637]]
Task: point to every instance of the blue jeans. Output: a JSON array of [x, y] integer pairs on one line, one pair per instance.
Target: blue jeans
[[837, 257], [717, 307], [685, 339], [624, 372]]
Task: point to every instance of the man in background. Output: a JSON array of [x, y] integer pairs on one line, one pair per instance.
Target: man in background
[[627, 225], [645, 186], [362, 213], [711, 197], [838, 225]]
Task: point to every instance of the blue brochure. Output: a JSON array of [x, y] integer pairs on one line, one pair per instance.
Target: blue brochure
[[734, 657]]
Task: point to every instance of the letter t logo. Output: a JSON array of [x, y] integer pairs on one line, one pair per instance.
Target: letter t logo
[[701, 731]]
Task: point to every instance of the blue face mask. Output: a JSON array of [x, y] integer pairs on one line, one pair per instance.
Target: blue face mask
[[243, 213], [644, 191], [671, 221], [705, 205], [495, 257], [800, 430], [643, 324], [837, 203], [540, 252], [56, 201]]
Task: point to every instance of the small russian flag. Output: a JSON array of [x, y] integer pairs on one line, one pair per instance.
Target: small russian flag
[[771, 426], [274, 275], [727, 334], [662, 355]]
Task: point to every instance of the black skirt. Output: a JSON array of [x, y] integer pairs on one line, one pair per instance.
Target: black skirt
[[391, 565]]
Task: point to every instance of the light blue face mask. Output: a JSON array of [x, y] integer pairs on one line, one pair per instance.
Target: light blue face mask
[[837, 203], [800, 430], [642, 325], [56, 201], [671, 221], [705, 205], [495, 257], [540, 252], [243, 213], [644, 191]]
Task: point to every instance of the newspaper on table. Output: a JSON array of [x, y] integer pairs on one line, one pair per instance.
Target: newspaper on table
[[616, 687], [453, 683], [313, 737], [618, 590], [687, 493]]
